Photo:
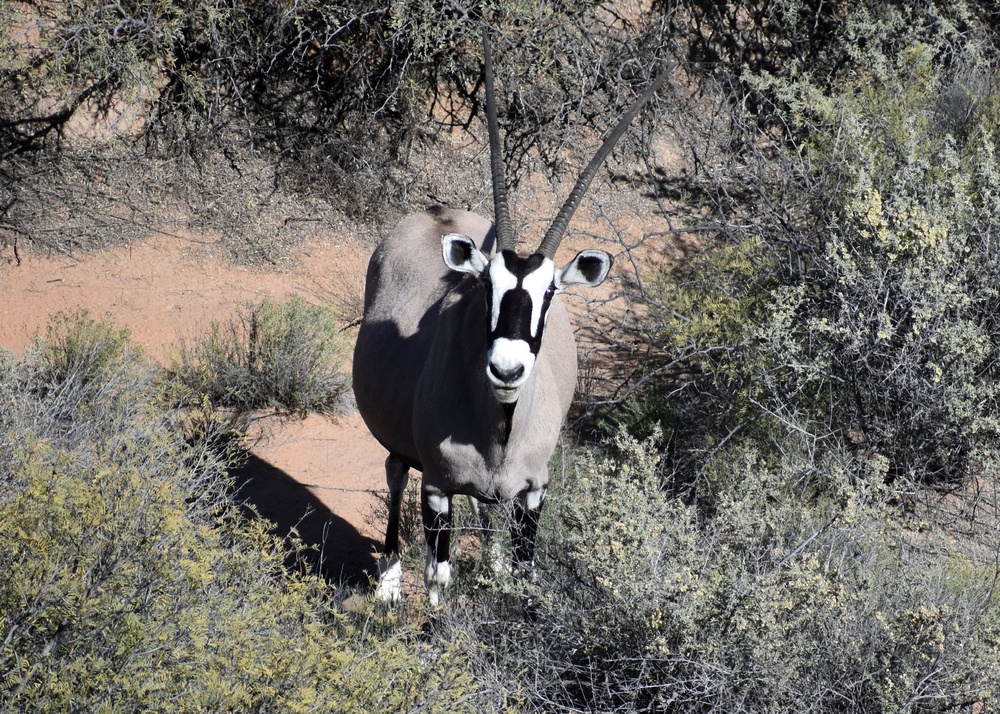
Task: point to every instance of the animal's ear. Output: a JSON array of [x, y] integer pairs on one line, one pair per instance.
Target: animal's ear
[[589, 267], [461, 254]]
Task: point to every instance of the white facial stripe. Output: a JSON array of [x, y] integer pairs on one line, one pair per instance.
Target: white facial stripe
[[503, 280], [536, 283]]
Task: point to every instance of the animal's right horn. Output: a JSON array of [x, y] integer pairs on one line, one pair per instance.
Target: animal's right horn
[[504, 227], [555, 233]]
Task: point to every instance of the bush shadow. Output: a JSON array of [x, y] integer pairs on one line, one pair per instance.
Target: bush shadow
[[338, 552]]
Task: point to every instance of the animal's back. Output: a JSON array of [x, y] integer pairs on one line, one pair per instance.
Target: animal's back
[[406, 281]]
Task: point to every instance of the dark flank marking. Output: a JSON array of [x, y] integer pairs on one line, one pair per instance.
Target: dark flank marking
[[439, 213]]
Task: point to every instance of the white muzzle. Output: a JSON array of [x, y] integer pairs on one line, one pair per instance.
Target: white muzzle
[[508, 365]]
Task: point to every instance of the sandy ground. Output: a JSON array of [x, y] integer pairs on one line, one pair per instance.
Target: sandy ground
[[318, 475]]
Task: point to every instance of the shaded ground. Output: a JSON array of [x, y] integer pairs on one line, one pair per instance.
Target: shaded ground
[[342, 553], [317, 475], [322, 477]]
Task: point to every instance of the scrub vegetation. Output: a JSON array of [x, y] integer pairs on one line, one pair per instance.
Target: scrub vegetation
[[786, 499]]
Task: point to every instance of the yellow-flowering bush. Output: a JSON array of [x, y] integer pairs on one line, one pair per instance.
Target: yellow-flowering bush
[[779, 601], [850, 291], [128, 581]]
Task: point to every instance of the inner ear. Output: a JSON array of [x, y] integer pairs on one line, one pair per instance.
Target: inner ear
[[461, 254], [589, 267]]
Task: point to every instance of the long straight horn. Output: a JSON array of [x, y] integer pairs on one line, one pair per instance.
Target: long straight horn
[[555, 233], [504, 228]]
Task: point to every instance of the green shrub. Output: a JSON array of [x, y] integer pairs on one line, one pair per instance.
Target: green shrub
[[76, 349], [129, 581], [693, 387], [891, 329], [906, 313], [284, 356], [861, 308], [782, 601]]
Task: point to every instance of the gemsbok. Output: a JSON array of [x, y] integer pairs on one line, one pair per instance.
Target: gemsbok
[[465, 368]]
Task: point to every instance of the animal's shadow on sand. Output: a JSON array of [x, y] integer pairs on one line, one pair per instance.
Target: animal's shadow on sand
[[340, 553]]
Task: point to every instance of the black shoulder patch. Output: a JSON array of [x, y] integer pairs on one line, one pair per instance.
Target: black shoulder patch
[[440, 214]]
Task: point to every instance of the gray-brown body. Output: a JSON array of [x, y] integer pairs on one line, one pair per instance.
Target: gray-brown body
[[420, 365], [465, 364]]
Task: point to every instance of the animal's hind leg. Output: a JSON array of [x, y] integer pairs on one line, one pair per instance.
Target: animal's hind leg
[[436, 510], [390, 583], [527, 512]]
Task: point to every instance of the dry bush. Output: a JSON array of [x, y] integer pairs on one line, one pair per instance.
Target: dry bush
[[256, 123], [283, 356], [130, 582], [782, 601]]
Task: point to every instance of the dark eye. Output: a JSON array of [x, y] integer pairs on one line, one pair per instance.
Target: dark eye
[[550, 291]]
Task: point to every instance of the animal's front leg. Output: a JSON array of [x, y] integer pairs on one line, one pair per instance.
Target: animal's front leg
[[436, 509], [390, 584], [527, 512]]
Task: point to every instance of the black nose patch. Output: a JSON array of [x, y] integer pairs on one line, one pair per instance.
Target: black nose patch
[[507, 375]]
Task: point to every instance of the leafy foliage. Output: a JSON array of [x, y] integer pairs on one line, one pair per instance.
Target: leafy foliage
[[823, 364], [862, 312], [905, 312], [283, 356], [779, 602], [129, 581]]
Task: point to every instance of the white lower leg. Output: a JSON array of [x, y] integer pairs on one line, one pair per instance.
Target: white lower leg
[[436, 576], [492, 551], [390, 582]]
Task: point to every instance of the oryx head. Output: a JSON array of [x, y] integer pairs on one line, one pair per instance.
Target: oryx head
[[520, 289]]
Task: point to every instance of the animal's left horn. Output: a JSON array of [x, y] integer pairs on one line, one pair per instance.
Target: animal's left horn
[[555, 233], [504, 227]]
